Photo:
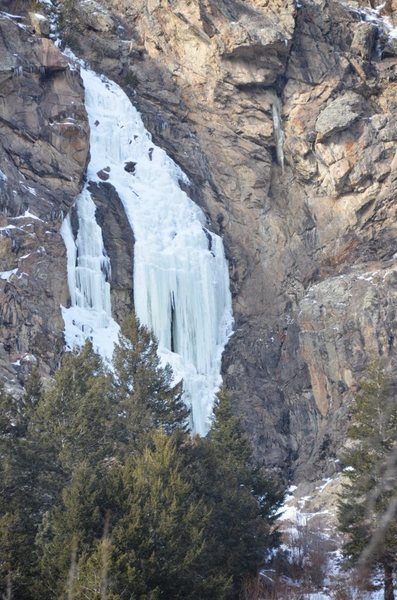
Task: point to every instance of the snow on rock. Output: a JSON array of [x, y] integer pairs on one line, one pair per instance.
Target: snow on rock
[[6, 275], [28, 215], [373, 15], [278, 131]]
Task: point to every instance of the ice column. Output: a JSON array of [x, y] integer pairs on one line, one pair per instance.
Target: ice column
[[278, 131], [90, 314]]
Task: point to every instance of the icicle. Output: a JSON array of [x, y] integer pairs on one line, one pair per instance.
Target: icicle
[[18, 71], [278, 131], [181, 284]]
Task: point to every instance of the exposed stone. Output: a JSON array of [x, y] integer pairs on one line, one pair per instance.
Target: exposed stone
[[50, 57], [43, 154], [130, 167], [364, 40], [359, 307], [118, 240], [203, 88], [390, 47], [95, 16], [310, 246], [40, 24], [339, 114], [102, 174]]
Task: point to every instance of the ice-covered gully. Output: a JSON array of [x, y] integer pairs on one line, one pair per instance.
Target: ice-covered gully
[[181, 282]]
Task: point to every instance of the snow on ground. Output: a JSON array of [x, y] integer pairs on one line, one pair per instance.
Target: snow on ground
[[315, 511]]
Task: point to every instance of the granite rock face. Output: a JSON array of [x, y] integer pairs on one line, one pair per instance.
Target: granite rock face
[[283, 116], [43, 154]]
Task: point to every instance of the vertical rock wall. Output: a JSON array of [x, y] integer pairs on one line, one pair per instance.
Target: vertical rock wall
[[43, 153], [311, 242]]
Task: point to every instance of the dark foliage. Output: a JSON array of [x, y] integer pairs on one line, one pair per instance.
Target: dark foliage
[[104, 494]]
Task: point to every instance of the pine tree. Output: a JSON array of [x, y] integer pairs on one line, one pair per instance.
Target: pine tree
[[22, 487], [365, 514], [33, 393], [93, 571], [160, 550], [77, 414], [244, 501], [144, 388], [73, 527]]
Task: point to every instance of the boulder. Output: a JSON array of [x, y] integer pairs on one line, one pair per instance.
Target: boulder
[[364, 40], [338, 115], [40, 24]]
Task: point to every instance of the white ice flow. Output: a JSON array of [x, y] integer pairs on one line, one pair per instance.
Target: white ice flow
[[181, 282], [90, 314]]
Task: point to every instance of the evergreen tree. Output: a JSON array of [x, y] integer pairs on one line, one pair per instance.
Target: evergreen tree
[[244, 518], [371, 489], [105, 496], [144, 388], [77, 415], [160, 549], [73, 527], [92, 581], [33, 393], [241, 528], [22, 488], [77, 421]]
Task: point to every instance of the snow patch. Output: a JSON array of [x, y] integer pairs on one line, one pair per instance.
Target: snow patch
[[29, 189], [326, 481], [28, 215], [373, 15], [6, 275], [278, 130]]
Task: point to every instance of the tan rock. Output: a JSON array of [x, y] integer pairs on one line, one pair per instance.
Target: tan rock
[[338, 115], [95, 16], [205, 76], [40, 24], [51, 58], [310, 243], [364, 39]]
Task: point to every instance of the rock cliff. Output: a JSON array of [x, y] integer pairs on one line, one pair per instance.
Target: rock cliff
[[283, 116], [43, 153]]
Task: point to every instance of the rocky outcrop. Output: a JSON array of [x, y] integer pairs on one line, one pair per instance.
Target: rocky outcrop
[[119, 243], [283, 117], [43, 153], [305, 208]]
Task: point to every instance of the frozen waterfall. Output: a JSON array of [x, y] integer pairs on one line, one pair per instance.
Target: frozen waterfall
[[90, 314], [181, 283]]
